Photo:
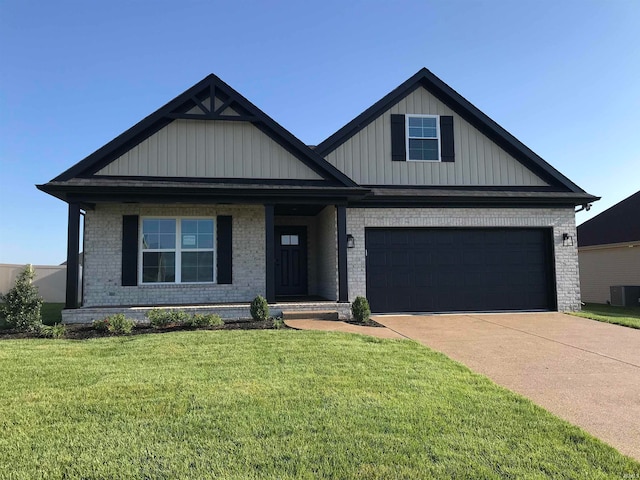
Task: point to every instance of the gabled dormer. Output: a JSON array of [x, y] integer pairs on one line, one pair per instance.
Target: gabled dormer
[[426, 134]]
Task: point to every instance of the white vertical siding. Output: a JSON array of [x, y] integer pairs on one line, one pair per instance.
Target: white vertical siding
[[366, 157], [210, 148]]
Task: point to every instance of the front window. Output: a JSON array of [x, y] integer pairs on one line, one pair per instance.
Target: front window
[[177, 250], [423, 138]]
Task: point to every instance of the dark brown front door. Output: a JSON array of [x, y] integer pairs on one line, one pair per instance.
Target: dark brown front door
[[291, 260]]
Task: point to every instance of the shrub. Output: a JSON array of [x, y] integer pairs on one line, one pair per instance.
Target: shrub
[[278, 323], [159, 318], [118, 324], [22, 303], [360, 310], [101, 325], [56, 331], [200, 320], [259, 308]]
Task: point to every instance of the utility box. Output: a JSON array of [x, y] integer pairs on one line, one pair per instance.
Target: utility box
[[625, 295]]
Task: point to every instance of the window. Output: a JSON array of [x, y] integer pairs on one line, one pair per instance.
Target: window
[[423, 137], [177, 250], [289, 240]]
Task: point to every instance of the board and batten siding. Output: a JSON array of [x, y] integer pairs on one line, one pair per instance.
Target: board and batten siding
[[604, 267], [210, 149], [366, 157]]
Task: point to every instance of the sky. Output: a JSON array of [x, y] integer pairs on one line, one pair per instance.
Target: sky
[[562, 76]]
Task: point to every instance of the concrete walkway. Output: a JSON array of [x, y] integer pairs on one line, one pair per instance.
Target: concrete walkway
[[336, 326], [584, 371]]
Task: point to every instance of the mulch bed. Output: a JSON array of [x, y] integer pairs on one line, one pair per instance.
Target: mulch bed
[[84, 331]]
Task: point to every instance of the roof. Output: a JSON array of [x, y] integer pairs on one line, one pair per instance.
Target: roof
[[424, 78], [617, 224], [181, 106], [119, 189]]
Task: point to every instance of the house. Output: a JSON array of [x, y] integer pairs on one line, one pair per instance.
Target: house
[[609, 250], [421, 204]]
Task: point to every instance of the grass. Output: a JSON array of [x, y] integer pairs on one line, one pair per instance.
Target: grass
[[626, 316], [273, 404], [52, 313]]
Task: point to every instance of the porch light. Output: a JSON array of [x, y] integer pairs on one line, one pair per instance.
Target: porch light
[[567, 240], [350, 241]]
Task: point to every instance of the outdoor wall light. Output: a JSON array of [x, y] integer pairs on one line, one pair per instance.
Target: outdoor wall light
[[351, 242], [567, 240]]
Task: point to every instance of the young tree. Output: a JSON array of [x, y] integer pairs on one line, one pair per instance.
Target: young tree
[[22, 303]]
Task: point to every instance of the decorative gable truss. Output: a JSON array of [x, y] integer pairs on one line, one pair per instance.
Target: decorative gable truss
[[209, 131]]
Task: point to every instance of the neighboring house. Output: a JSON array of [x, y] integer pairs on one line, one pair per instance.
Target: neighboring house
[[421, 203], [609, 250]]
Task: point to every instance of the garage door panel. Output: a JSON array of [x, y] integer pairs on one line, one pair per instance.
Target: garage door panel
[[429, 269]]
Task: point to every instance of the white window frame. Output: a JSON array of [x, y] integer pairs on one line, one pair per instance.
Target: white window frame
[[437, 138], [178, 250]]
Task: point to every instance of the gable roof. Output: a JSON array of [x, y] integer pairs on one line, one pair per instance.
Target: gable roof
[[191, 105], [424, 78], [617, 224]]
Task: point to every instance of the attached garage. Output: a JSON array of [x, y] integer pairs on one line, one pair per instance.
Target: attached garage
[[465, 269]]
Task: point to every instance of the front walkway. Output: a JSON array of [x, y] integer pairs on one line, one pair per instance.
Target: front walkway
[[336, 326]]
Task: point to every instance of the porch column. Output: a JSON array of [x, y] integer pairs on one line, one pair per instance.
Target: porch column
[[343, 288], [270, 253], [73, 246]]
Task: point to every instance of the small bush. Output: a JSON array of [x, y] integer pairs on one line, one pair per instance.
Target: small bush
[[56, 331], [200, 320], [118, 324], [160, 318], [259, 308], [278, 323], [101, 325], [22, 304], [360, 310]]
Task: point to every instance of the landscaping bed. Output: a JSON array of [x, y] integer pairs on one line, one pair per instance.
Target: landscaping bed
[[84, 331]]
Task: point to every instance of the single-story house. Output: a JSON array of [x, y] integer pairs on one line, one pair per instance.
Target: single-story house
[[421, 203], [609, 250]]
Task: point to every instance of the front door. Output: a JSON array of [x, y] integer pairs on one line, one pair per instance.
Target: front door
[[291, 260]]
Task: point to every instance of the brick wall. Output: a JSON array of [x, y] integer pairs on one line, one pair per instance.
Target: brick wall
[[560, 219], [102, 257]]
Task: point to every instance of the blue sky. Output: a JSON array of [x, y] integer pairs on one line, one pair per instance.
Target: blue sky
[[562, 76]]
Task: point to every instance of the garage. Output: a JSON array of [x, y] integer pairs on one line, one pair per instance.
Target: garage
[[459, 269]]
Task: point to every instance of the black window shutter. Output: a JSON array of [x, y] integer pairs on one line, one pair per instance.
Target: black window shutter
[[129, 250], [225, 249], [447, 153], [398, 139]]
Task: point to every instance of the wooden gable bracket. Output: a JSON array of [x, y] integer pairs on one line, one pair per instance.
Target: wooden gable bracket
[[212, 91]]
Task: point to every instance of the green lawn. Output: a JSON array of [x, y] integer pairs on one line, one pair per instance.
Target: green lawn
[[627, 316], [273, 404]]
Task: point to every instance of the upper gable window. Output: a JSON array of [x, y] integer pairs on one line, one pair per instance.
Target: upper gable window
[[423, 138]]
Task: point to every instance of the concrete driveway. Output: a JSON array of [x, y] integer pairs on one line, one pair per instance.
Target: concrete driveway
[[584, 371]]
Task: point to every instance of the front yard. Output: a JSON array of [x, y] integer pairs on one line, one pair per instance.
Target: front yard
[[626, 316], [273, 404]]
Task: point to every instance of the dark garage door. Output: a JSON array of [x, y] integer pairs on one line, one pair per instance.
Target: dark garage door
[[445, 270]]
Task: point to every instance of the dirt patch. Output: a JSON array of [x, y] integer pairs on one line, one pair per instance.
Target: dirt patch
[[370, 323], [84, 331]]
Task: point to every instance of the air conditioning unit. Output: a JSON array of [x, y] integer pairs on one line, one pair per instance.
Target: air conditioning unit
[[625, 295]]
